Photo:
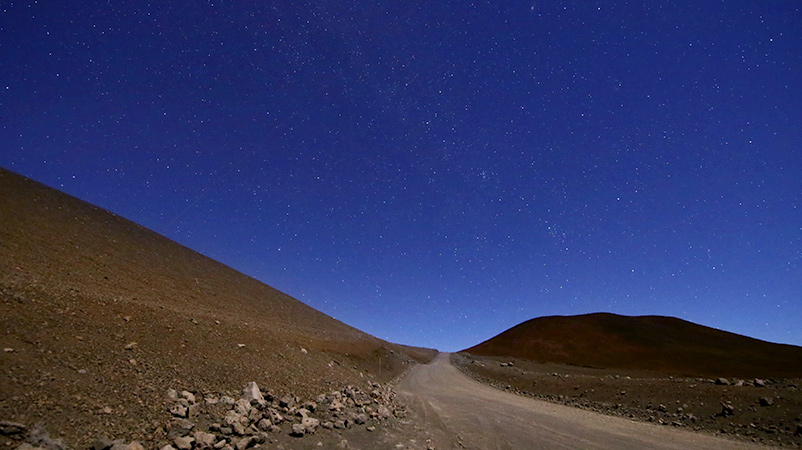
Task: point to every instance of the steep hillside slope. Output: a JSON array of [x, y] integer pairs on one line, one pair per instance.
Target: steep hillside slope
[[100, 316], [654, 343]]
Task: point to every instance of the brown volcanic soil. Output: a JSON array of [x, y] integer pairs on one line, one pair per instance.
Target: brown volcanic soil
[[692, 403], [659, 344], [100, 316]]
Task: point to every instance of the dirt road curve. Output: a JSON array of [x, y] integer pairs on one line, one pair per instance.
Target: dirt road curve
[[460, 412]]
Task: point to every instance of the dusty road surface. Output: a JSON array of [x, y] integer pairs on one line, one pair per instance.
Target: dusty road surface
[[460, 412]]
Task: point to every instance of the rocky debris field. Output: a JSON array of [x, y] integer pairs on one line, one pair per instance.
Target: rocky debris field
[[250, 420], [768, 411]]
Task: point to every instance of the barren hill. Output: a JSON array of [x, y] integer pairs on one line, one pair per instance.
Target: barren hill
[[654, 343], [100, 316]]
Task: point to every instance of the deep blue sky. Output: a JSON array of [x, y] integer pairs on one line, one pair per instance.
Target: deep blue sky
[[436, 172]]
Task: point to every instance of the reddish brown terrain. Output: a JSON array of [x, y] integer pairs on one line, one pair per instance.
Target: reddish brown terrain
[[653, 343], [100, 317], [655, 369]]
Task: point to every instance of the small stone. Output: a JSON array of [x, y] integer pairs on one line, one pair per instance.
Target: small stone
[[722, 382], [135, 445], [12, 428], [297, 430], [310, 425], [131, 346], [179, 410], [286, 402], [371, 428], [727, 409], [253, 395], [336, 405], [102, 443], [239, 429], [245, 442], [204, 440], [765, 401], [310, 406], [180, 427], [759, 383], [172, 394], [232, 417], [383, 412], [242, 407], [168, 447], [220, 444], [264, 425], [8, 349], [189, 396], [183, 443]]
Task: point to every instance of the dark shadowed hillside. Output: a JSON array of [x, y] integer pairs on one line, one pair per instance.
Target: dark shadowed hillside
[[100, 316], [653, 343]]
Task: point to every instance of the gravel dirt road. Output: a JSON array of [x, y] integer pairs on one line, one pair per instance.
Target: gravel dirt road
[[460, 412]]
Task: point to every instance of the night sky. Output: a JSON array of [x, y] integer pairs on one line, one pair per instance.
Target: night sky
[[434, 173]]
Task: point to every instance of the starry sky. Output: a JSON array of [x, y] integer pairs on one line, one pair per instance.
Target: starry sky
[[434, 173]]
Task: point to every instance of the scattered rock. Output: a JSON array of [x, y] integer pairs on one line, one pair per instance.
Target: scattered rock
[[242, 407], [189, 396], [12, 428], [722, 382], [298, 430], [245, 442], [310, 425], [253, 395], [759, 383], [38, 437], [179, 410], [727, 409], [204, 439], [264, 425], [183, 443], [102, 443], [27, 446], [765, 401]]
